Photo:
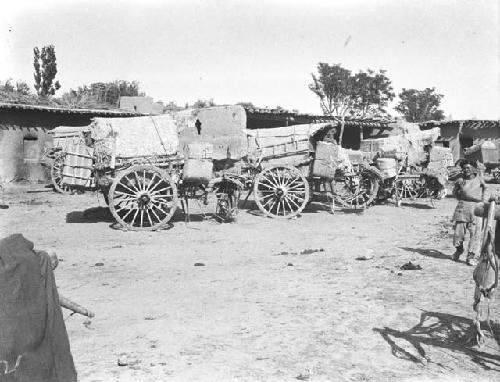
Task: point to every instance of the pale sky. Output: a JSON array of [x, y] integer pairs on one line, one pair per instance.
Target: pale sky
[[262, 51]]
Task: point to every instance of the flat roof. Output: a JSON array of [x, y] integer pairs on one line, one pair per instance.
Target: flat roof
[[468, 123], [285, 115], [60, 110]]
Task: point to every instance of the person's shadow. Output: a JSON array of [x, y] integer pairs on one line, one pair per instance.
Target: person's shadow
[[445, 331], [428, 253]]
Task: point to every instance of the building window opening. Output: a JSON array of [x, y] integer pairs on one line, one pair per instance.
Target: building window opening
[[466, 141]]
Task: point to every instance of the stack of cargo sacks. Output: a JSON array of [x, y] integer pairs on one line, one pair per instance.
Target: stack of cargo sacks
[[440, 157], [329, 157], [198, 163], [398, 146], [326, 160]]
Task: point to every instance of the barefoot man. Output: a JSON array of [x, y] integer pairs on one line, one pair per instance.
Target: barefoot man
[[469, 190]]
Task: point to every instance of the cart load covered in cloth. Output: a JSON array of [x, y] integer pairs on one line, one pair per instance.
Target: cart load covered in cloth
[[134, 137]]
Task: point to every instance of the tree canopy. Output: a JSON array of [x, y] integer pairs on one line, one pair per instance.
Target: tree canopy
[[45, 66], [20, 92], [420, 105], [101, 94], [201, 103], [342, 93]]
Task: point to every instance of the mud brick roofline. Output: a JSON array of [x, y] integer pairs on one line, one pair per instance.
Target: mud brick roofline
[[467, 123], [284, 115], [49, 109]]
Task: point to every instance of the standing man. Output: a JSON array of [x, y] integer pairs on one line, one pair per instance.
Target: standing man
[[469, 190]]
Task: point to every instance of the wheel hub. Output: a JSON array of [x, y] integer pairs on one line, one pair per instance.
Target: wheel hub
[[144, 200], [280, 192]]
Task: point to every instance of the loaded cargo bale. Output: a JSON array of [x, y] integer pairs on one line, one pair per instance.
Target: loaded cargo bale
[[198, 163], [325, 161], [199, 150], [483, 153], [78, 166], [410, 145], [223, 126], [387, 166], [438, 153], [134, 137], [355, 156], [440, 159]]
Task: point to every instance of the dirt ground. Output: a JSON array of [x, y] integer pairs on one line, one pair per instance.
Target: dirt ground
[[262, 299]]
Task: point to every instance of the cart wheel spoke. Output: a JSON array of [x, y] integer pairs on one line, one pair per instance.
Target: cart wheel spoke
[[57, 176], [152, 183]]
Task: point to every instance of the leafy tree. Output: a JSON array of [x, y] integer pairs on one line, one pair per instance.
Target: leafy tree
[[247, 105], [7, 86], [101, 94], [203, 103], [420, 105], [17, 93], [171, 106], [342, 93], [23, 88], [45, 70], [110, 92], [374, 92]]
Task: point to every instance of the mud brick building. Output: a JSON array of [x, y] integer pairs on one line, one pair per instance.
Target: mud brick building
[[24, 135], [461, 134], [141, 104]]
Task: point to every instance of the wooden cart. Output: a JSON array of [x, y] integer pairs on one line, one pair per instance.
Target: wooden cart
[[411, 183], [138, 166], [284, 181], [140, 172], [64, 140]]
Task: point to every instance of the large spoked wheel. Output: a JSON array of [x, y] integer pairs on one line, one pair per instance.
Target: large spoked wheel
[[56, 175], [281, 192], [356, 191], [142, 198]]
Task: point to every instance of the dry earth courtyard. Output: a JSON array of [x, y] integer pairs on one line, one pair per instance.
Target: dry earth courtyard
[[319, 298]]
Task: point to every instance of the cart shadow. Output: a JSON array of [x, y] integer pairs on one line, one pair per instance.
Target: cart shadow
[[250, 207], [442, 331], [418, 206], [90, 215], [428, 253], [103, 215]]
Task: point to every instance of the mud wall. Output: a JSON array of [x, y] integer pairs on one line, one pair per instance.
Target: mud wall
[[23, 138], [20, 152], [222, 126], [480, 135]]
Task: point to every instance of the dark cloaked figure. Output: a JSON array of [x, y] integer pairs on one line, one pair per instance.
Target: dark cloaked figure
[[34, 345], [197, 124]]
